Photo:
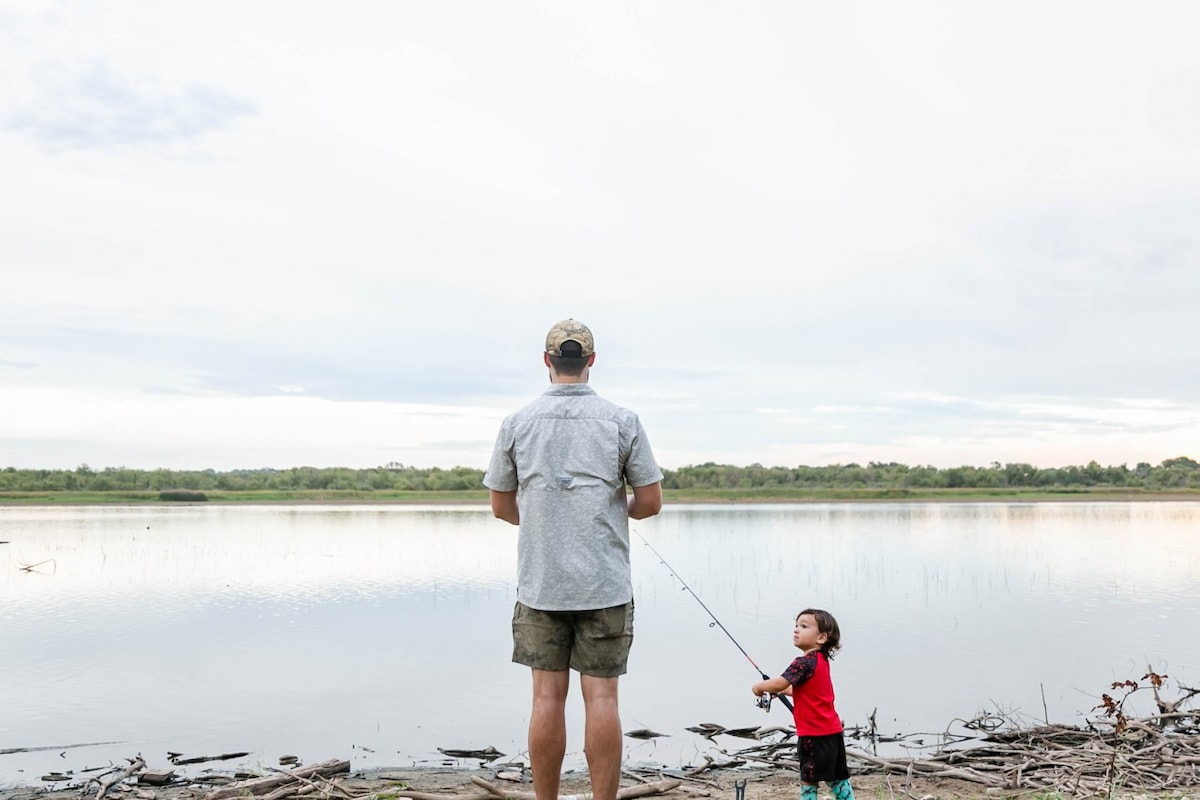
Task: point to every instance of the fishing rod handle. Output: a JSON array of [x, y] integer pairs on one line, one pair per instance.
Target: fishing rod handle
[[782, 698]]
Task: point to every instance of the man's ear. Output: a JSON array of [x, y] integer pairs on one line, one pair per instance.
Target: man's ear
[[546, 359], [591, 359]]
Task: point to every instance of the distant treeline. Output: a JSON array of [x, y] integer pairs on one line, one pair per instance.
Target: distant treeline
[[1174, 473]]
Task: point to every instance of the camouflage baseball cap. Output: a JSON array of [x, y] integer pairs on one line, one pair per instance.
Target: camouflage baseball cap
[[569, 330]]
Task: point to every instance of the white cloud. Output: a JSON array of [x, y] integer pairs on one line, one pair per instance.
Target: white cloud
[[95, 108], [901, 218]]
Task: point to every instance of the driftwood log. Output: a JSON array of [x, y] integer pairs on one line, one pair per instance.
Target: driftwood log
[[271, 786], [111, 778], [179, 760]]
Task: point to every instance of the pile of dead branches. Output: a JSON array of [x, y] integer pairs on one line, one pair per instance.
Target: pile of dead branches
[[1113, 751], [136, 780], [1084, 762], [318, 780]]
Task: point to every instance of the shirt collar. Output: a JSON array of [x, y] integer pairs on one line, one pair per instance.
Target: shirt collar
[[568, 390]]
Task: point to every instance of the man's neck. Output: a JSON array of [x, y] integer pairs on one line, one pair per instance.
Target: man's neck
[[582, 377]]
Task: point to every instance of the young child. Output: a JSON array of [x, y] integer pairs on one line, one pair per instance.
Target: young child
[[819, 742]]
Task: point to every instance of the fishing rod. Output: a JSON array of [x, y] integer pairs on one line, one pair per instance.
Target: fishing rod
[[715, 621]]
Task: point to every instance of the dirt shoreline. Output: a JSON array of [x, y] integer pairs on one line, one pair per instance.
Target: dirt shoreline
[[756, 783], [760, 784]]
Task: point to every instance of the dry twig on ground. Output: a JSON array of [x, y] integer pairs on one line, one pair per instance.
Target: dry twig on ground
[[1151, 754]]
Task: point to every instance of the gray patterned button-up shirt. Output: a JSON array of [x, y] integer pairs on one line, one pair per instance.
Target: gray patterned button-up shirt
[[569, 455]]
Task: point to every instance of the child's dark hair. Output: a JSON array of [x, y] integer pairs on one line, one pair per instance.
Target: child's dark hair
[[827, 625]]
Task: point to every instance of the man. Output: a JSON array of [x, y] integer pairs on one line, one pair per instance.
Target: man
[[559, 471]]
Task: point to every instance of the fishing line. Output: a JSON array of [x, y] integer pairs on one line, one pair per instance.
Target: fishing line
[[715, 621]]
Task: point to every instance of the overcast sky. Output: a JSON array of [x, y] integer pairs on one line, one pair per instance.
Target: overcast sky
[[250, 234]]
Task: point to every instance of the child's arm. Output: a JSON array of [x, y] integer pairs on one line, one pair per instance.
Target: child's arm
[[771, 686]]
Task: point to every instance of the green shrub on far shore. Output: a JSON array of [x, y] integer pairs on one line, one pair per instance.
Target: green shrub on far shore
[[183, 495]]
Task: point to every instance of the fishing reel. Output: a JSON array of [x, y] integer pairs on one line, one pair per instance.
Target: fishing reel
[[763, 701]]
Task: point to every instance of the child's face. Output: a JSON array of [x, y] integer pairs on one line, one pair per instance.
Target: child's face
[[805, 635]]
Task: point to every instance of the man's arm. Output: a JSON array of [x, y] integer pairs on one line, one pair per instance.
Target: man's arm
[[504, 506], [646, 501]]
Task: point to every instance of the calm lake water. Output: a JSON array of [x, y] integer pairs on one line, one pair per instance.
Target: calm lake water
[[381, 633]]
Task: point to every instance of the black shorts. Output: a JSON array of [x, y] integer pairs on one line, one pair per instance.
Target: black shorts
[[822, 758]]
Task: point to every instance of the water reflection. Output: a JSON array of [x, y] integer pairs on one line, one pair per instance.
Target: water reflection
[[377, 633]]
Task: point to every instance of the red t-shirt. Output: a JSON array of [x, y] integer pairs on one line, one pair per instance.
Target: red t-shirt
[[812, 695]]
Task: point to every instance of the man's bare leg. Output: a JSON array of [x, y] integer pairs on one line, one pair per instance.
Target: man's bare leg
[[602, 735], [548, 731]]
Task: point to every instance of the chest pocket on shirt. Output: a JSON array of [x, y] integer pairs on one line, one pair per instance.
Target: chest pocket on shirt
[[574, 472]]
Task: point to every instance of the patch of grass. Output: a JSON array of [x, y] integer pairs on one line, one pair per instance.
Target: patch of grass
[[362, 496], [296, 496], [853, 495], [480, 496], [76, 498]]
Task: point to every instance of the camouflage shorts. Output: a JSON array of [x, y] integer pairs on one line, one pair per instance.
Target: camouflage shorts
[[592, 642]]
